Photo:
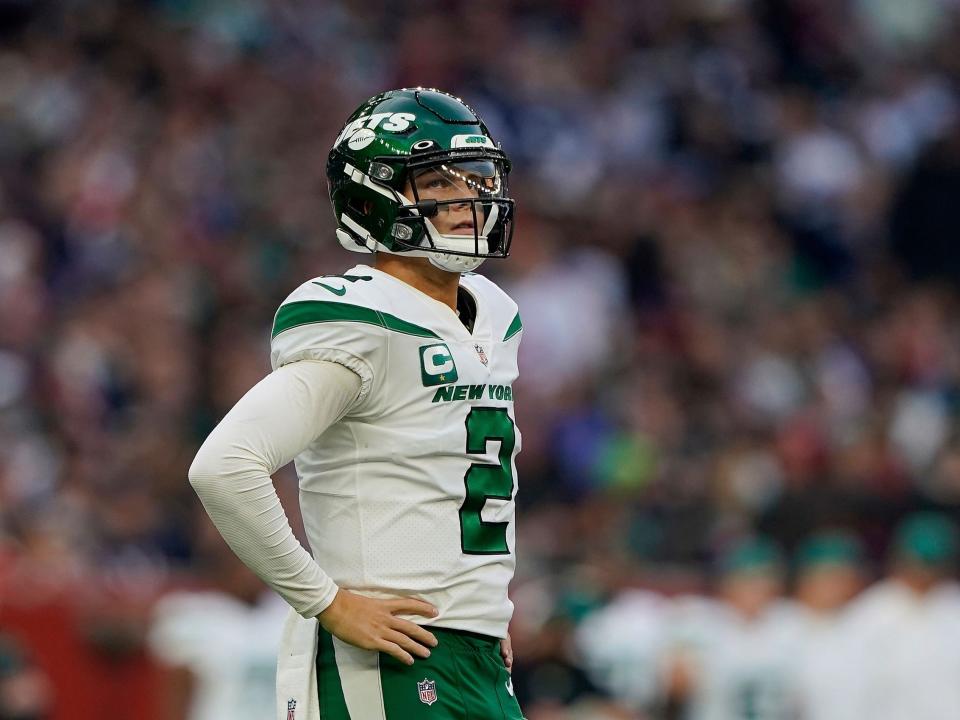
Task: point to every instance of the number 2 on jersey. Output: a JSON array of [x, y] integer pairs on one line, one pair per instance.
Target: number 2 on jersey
[[485, 480]]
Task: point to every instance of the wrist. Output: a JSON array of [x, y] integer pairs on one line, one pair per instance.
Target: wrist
[[331, 598], [331, 609]]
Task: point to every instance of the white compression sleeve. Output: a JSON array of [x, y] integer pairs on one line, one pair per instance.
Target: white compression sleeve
[[265, 430]]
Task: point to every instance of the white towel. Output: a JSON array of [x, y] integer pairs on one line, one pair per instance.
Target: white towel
[[297, 697]]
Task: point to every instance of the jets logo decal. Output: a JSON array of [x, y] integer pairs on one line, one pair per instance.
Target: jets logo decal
[[363, 128], [466, 141]]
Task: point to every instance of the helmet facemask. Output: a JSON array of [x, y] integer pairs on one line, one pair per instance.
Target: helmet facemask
[[458, 212]]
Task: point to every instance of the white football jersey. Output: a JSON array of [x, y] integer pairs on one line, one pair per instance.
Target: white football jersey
[[909, 652], [624, 647], [229, 646], [829, 664], [412, 492], [744, 668]]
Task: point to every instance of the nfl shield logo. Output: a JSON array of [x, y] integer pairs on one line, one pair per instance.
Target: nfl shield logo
[[291, 709], [481, 354], [428, 691]]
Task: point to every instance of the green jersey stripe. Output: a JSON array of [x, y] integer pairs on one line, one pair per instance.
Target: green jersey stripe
[[515, 327], [306, 312]]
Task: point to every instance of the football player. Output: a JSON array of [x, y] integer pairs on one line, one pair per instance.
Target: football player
[[907, 627], [830, 573], [218, 645], [733, 658], [392, 391]]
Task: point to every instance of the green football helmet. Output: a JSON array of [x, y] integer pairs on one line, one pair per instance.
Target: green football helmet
[[415, 172]]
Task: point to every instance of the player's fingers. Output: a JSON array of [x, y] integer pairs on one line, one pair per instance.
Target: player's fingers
[[506, 652], [396, 651], [407, 643], [412, 606], [418, 633]]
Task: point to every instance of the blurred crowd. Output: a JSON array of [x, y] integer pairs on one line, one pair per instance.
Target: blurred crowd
[[734, 260]]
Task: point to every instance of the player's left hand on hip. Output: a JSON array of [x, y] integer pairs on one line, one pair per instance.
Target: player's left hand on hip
[[506, 652]]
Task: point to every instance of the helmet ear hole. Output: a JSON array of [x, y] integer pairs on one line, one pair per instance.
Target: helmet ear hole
[[360, 206]]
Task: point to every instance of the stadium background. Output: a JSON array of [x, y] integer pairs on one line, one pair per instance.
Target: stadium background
[[735, 260]]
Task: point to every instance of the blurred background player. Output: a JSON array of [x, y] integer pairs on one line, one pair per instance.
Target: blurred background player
[[830, 572], [219, 645], [908, 627], [732, 657], [625, 647]]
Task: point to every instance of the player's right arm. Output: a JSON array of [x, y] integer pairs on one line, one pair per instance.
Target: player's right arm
[[275, 421]]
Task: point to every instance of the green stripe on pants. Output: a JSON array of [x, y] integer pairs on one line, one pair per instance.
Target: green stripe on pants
[[332, 703]]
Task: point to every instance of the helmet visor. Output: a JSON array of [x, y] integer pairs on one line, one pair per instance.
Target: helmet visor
[[464, 206], [454, 180]]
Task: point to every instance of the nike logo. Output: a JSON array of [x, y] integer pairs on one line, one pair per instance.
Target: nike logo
[[509, 684], [336, 291]]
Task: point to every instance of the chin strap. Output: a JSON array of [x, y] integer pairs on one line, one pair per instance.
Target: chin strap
[[441, 260], [454, 263]]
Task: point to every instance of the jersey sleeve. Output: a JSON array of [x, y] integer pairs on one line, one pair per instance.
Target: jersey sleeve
[[313, 324]]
